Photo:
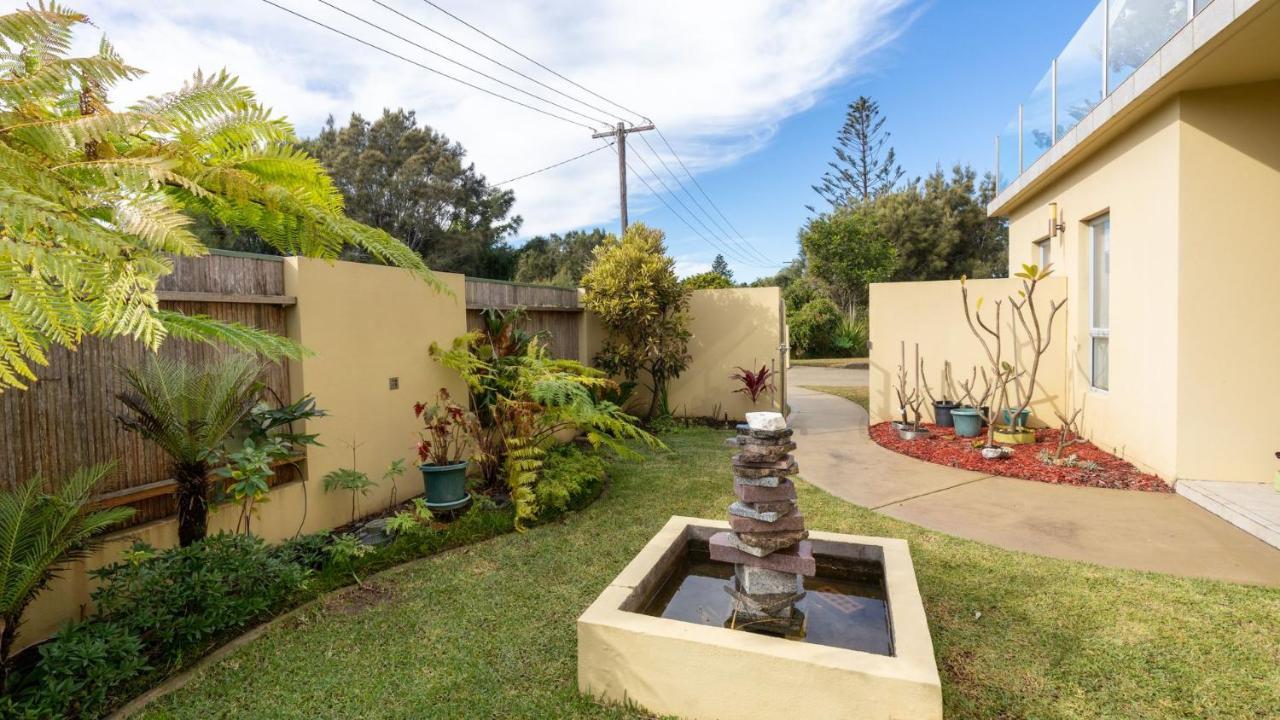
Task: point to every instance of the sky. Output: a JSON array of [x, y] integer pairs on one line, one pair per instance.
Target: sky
[[750, 94]]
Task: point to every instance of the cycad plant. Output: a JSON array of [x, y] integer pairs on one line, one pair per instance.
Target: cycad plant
[[189, 410], [94, 202], [40, 532]]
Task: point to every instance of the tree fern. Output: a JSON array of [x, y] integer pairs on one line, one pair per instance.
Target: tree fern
[[94, 203]]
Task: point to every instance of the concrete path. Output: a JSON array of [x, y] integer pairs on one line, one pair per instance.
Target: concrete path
[[1120, 528]]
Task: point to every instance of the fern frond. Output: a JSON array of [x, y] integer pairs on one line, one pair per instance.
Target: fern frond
[[201, 328]]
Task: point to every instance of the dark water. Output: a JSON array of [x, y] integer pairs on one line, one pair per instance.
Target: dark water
[[844, 605]]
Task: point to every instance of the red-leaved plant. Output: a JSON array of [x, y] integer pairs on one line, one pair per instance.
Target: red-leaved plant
[[447, 430], [754, 384]]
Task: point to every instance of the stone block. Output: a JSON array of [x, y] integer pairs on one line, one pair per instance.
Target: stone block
[[761, 544], [796, 559], [766, 481], [784, 491], [759, 581], [744, 510], [764, 434], [766, 421], [792, 521], [781, 468], [756, 453]]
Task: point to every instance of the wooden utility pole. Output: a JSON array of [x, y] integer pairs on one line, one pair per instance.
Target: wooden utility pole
[[619, 135]]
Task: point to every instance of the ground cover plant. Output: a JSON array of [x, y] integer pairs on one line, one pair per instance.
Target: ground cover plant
[[1086, 464], [489, 630]]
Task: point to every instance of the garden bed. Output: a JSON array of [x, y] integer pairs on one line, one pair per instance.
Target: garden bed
[[1102, 469]]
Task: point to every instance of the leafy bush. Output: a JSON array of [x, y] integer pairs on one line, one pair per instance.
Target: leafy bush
[[851, 338], [307, 551], [814, 326], [569, 477], [80, 673], [180, 600], [709, 280]]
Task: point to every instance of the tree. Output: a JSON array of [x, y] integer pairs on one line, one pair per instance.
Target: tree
[[557, 259], [865, 166], [720, 266], [846, 251], [413, 183], [189, 410], [632, 287], [95, 202], [710, 280], [41, 532], [940, 227]]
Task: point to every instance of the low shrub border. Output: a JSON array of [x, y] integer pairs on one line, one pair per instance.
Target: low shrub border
[[1091, 467]]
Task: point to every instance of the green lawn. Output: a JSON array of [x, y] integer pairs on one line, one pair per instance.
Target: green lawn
[[487, 631], [857, 393], [828, 362]]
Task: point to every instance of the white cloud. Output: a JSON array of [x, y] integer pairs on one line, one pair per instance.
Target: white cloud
[[717, 77]]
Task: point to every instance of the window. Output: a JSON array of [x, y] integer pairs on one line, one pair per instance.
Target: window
[[1100, 301], [1042, 253]]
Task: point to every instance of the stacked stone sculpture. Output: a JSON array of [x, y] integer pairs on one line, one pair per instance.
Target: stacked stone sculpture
[[767, 539]]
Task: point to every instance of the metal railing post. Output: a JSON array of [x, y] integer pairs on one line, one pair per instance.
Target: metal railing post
[[997, 162], [1106, 46], [1053, 92], [1021, 166]]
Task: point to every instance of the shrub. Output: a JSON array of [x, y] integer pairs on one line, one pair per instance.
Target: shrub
[[709, 280], [180, 600], [307, 551], [851, 337], [814, 326], [81, 671], [569, 478]]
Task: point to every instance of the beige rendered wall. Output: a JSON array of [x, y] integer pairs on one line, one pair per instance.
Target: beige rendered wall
[[1134, 178], [1229, 276], [932, 315]]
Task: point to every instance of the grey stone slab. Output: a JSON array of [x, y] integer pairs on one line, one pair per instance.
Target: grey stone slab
[[761, 581], [742, 509]]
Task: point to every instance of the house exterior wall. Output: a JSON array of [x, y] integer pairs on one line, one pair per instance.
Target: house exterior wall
[[932, 315], [1229, 334], [1134, 179], [730, 327]]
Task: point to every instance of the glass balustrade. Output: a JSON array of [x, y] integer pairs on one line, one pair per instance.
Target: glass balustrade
[[1112, 43]]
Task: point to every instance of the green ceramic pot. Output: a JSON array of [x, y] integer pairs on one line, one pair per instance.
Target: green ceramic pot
[[967, 422], [445, 485]]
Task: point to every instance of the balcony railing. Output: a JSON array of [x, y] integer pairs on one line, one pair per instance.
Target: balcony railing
[[1115, 40]]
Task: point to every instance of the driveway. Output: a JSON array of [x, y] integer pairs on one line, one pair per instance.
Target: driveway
[[1120, 528]]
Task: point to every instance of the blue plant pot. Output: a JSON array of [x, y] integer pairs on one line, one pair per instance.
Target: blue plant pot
[[1006, 417], [967, 422], [445, 485]]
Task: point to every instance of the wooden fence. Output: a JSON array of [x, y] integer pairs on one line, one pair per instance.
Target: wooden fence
[[69, 418], [551, 309]]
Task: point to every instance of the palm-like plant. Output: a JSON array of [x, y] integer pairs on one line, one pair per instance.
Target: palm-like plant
[[93, 202], [188, 410], [40, 532]]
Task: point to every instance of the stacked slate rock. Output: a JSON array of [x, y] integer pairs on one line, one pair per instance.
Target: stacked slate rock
[[767, 540]]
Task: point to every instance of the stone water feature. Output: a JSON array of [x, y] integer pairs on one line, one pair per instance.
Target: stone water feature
[[759, 616], [767, 540]]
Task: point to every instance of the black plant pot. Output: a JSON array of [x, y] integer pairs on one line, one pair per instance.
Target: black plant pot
[[942, 412]]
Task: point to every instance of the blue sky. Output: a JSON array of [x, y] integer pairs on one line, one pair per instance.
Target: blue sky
[[950, 81]]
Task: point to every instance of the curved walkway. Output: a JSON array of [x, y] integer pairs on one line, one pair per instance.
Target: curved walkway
[[1120, 528]]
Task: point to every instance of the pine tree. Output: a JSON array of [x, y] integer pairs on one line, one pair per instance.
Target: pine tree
[[720, 267], [865, 166]]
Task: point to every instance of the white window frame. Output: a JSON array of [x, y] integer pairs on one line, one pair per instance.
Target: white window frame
[[1097, 332], [1044, 252]]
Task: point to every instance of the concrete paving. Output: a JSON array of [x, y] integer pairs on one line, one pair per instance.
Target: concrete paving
[[1119, 528]]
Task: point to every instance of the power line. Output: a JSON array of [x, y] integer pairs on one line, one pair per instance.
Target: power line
[[698, 185], [710, 241], [535, 62], [441, 73], [464, 66], [747, 250], [499, 63], [556, 165]]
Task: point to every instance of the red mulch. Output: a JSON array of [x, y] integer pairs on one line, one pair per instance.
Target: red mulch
[[944, 448]]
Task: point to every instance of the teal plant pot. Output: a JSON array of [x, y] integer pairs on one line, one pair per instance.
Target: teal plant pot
[[1006, 417], [445, 485], [967, 422]]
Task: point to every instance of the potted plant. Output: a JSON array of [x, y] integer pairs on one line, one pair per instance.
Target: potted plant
[[1028, 316], [1002, 373], [913, 429], [448, 429], [941, 408]]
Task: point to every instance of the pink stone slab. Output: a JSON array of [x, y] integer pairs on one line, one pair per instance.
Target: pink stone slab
[[793, 521], [786, 490], [796, 559]]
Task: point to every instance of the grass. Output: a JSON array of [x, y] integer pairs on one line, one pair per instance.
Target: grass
[[487, 631], [828, 362], [860, 394]]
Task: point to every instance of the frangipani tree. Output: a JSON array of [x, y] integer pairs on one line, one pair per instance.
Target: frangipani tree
[[94, 202]]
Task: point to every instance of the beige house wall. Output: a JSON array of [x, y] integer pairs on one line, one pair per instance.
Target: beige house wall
[[1229, 332], [931, 314], [731, 328], [1134, 179]]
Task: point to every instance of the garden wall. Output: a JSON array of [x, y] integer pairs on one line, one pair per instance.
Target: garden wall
[[931, 314]]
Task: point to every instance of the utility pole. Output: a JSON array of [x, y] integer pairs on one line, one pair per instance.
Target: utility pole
[[619, 134]]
